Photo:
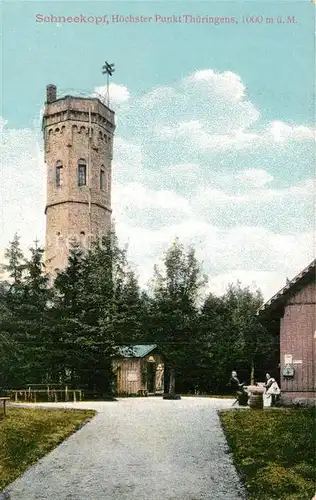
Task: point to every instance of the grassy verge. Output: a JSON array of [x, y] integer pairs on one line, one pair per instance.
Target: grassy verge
[[27, 434], [274, 451]]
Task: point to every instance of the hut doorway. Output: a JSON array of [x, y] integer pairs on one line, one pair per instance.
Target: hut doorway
[[151, 373]]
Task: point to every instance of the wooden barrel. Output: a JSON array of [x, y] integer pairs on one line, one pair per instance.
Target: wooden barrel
[[256, 400]]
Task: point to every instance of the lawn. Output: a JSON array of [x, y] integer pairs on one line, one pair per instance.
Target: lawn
[[27, 434], [274, 451]]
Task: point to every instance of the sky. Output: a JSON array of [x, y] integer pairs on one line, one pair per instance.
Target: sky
[[215, 137]]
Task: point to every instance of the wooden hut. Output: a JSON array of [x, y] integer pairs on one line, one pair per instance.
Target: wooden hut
[[295, 308], [139, 370]]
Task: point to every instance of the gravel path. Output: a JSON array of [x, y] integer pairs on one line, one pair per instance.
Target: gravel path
[[142, 448]]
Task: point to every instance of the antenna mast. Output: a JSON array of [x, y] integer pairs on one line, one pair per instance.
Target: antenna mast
[[108, 70]]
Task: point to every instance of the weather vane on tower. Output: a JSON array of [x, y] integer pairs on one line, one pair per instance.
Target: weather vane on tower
[[108, 70]]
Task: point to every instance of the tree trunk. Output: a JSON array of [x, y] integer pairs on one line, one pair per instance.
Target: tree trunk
[[172, 381], [252, 373]]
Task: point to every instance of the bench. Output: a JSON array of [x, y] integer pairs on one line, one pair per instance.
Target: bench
[[4, 401]]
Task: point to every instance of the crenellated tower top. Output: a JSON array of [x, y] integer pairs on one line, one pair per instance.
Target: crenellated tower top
[[78, 138]]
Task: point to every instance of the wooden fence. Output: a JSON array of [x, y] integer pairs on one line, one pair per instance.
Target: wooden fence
[[48, 394]]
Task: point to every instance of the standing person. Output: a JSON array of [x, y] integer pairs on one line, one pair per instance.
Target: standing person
[[272, 389]]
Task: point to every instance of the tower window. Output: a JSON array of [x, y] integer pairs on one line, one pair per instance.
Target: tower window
[[102, 180], [82, 173], [58, 172]]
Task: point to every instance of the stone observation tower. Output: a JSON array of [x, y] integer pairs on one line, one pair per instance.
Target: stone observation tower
[[78, 139]]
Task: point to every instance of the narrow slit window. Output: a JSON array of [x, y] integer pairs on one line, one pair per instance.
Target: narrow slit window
[[58, 172], [102, 180], [82, 173]]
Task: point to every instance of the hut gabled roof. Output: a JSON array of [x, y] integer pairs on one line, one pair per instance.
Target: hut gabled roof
[[292, 286], [136, 351]]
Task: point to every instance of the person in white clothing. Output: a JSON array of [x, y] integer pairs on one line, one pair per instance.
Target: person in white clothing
[[272, 390]]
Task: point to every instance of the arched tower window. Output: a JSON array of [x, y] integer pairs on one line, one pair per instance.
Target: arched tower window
[[58, 173], [82, 172], [102, 179]]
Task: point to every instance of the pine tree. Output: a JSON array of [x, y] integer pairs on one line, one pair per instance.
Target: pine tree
[[89, 312], [36, 314], [129, 317], [15, 259], [23, 316], [11, 299], [174, 308], [68, 312], [107, 271]]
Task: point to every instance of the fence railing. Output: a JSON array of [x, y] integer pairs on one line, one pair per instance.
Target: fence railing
[[48, 394]]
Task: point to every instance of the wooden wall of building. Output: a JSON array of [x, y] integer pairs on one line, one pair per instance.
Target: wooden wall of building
[[298, 341], [128, 375], [131, 373]]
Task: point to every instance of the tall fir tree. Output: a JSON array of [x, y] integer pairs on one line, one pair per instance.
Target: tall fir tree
[[11, 299], [176, 291], [68, 315], [24, 318], [91, 309], [15, 262]]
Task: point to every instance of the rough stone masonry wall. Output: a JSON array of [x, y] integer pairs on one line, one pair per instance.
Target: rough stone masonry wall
[[68, 222], [66, 137]]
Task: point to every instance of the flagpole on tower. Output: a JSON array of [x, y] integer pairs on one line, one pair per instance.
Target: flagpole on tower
[[108, 70]]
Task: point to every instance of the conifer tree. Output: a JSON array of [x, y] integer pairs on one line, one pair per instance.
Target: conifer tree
[[24, 319], [68, 315], [15, 262], [36, 313], [11, 298], [176, 291]]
